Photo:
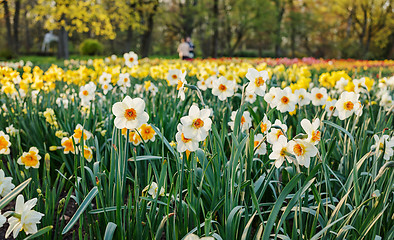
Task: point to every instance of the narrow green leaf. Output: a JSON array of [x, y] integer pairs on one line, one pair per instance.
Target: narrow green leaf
[[40, 232], [109, 231], [11, 195], [85, 203]]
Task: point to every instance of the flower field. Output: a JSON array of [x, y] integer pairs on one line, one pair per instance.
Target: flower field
[[121, 148]]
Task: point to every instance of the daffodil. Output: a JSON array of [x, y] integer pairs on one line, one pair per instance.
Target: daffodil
[[24, 218], [384, 145], [311, 129], [79, 132], [303, 151], [246, 120], [173, 76], [197, 124], [347, 104], [131, 59], [4, 143], [147, 132], [30, 159], [318, 96], [303, 97], [192, 236], [105, 78], [265, 125], [280, 151], [285, 100], [257, 81], [276, 132], [223, 88], [153, 190], [87, 93], [184, 143], [259, 145], [330, 108], [5, 184], [130, 113], [68, 145]]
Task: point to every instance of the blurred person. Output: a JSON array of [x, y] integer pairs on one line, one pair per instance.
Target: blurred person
[[191, 47], [184, 49]]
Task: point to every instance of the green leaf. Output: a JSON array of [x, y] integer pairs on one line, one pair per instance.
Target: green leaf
[[40, 232], [85, 203], [109, 231], [11, 195], [160, 229], [341, 129], [275, 210]]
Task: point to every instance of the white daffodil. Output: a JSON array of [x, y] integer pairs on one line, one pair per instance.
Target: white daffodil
[[303, 97], [30, 158], [197, 124], [319, 96], [341, 84], [153, 190], [271, 96], [202, 84], [130, 59], [5, 184], [223, 88], [360, 86], [2, 220], [62, 102], [246, 121], [265, 125], [130, 113], [173, 76], [124, 80], [285, 100], [4, 143], [387, 101], [192, 236], [259, 145], [275, 133], [347, 104], [385, 145], [184, 143], [250, 97], [105, 78], [11, 130], [257, 81], [303, 151], [106, 87], [330, 108], [24, 218], [312, 130], [181, 86], [211, 80], [87, 152], [280, 151], [87, 92]]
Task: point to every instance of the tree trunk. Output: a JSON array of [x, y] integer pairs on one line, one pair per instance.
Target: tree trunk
[[215, 25], [63, 44], [27, 33], [292, 29], [7, 18], [16, 25], [146, 38], [129, 39], [278, 38]]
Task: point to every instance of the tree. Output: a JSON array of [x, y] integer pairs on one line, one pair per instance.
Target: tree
[[70, 16]]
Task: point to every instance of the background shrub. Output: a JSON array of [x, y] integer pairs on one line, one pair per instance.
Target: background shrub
[[90, 47]]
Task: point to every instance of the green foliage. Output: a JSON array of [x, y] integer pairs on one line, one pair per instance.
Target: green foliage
[[90, 47]]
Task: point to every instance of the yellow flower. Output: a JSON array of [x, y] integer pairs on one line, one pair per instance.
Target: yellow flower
[[30, 159]]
